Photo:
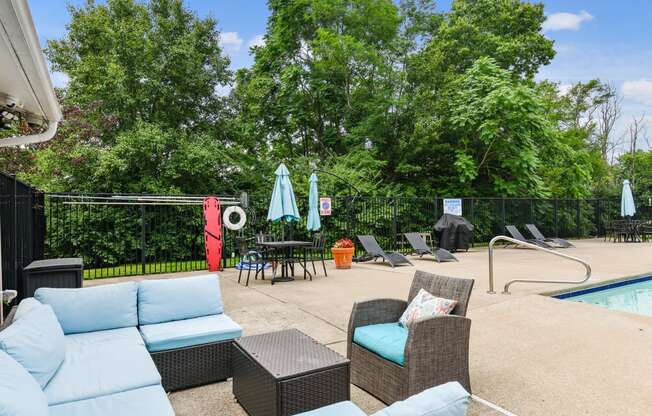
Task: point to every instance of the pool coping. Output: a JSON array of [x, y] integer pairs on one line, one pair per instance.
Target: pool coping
[[597, 286]]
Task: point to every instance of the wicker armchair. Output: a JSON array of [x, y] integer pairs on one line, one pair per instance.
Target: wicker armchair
[[436, 351]]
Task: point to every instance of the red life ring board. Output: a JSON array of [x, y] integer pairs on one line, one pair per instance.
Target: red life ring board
[[213, 233]]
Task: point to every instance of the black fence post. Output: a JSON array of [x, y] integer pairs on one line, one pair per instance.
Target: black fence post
[[578, 225], [394, 224], [554, 215], [503, 215], [143, 242], [598, 218]]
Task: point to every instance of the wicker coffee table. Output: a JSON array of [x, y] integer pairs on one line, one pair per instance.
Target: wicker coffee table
[[287, 372]]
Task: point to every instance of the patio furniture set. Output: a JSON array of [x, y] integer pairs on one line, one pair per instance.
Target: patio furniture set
[[117, 349], [418, 244], [628, 231], [280, 255]]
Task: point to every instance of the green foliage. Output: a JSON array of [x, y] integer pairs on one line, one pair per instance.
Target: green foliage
[[153, 61]]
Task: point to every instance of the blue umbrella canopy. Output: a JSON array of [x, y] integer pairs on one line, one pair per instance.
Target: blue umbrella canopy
[[283, 206], [627, 207], [314, 223]]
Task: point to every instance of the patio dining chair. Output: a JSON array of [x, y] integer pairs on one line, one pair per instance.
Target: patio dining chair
[[559, 242], [250, 259], [392, 362], [420, 248], [374, 251], [317, 252]]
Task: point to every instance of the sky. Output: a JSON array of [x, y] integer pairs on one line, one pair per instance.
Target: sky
[[604, 39]]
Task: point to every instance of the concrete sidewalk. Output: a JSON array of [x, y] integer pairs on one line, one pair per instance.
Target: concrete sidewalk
[[530, 354]]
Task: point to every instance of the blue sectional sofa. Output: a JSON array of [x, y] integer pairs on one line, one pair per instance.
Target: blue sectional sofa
[[107, 350], [448, 399]]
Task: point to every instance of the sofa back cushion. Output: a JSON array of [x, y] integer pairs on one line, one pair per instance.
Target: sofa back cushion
[[448, 399], [36, 342], [25, 306], [93, 308], [176, 299], [20, 394]]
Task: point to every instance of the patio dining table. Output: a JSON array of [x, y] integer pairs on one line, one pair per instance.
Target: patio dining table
[[283, 252]]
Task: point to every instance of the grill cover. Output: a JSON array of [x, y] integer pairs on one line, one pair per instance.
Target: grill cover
[[453, 232]]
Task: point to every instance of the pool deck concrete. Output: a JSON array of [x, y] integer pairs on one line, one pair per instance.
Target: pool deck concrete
[[530, 354]]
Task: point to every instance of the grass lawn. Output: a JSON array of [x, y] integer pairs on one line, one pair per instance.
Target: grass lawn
[[133, 269]]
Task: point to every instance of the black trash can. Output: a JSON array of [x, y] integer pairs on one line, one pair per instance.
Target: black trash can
[[59, 273]]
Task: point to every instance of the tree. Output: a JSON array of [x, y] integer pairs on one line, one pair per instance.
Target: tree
[[155, 62], [496, 123], [509, 31]]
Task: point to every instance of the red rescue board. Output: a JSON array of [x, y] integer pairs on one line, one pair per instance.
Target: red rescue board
[[213, 233]]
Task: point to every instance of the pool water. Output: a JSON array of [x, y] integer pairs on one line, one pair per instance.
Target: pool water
[[633, 295]]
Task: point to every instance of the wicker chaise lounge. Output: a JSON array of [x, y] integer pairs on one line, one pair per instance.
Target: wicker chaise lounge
[[436, 350]]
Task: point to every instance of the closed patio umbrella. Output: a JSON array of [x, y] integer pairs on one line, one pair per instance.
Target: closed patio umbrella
[[314, 223], [627, 207], [283, 206]]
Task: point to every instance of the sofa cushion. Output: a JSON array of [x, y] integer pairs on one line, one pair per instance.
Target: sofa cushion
[[93, 308], [36, 342], [189, 332], [386, 340], [92, 370], [426, 304], [175, 299], [337, 409], [20, 394], [25, 306], [145, 401], [448, 399], [129, 335]]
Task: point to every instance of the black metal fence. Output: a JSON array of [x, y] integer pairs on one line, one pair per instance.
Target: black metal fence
[[128, 239], [22, 228]]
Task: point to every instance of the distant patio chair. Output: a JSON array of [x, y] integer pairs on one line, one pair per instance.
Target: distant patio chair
[[516, 234], [559, 242], [420, 247], [392, 362], [250, 259], [317, 252], [372, 248]]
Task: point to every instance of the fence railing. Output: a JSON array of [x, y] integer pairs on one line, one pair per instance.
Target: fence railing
[[22, 228], [127, 239]]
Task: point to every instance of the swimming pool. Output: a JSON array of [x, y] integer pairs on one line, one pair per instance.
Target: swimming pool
[[631, 295]]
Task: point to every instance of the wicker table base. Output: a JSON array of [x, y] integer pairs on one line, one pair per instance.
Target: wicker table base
[[287, 372]]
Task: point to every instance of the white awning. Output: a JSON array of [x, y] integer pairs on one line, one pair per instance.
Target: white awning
[[24, 75]]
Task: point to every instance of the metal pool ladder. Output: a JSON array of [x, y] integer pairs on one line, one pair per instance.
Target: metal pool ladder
[[529, 245]]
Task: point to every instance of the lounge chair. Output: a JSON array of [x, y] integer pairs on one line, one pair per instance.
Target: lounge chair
[[374, 251], [421, 248], [516, 234], [560, 242]]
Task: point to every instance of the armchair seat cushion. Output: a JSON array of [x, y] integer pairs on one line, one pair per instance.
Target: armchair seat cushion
[[93, 370], [188, 332], [387, 340], [145, 401], [337, 409]]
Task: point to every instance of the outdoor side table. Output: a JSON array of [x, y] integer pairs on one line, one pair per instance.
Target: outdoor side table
[[287, 372]]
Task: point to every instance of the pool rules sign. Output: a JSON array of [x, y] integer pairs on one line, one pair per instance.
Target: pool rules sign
[[324, 207]]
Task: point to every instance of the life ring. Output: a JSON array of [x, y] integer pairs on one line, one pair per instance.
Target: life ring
[[226, 218]]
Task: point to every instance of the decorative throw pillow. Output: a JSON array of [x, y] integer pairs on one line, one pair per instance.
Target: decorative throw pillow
[[425, 304]]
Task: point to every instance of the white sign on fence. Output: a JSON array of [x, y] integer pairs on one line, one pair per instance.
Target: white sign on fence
[[324, 206], [453, 206]]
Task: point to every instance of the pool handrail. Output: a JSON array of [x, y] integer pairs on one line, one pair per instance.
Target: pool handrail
[[535, 247]]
